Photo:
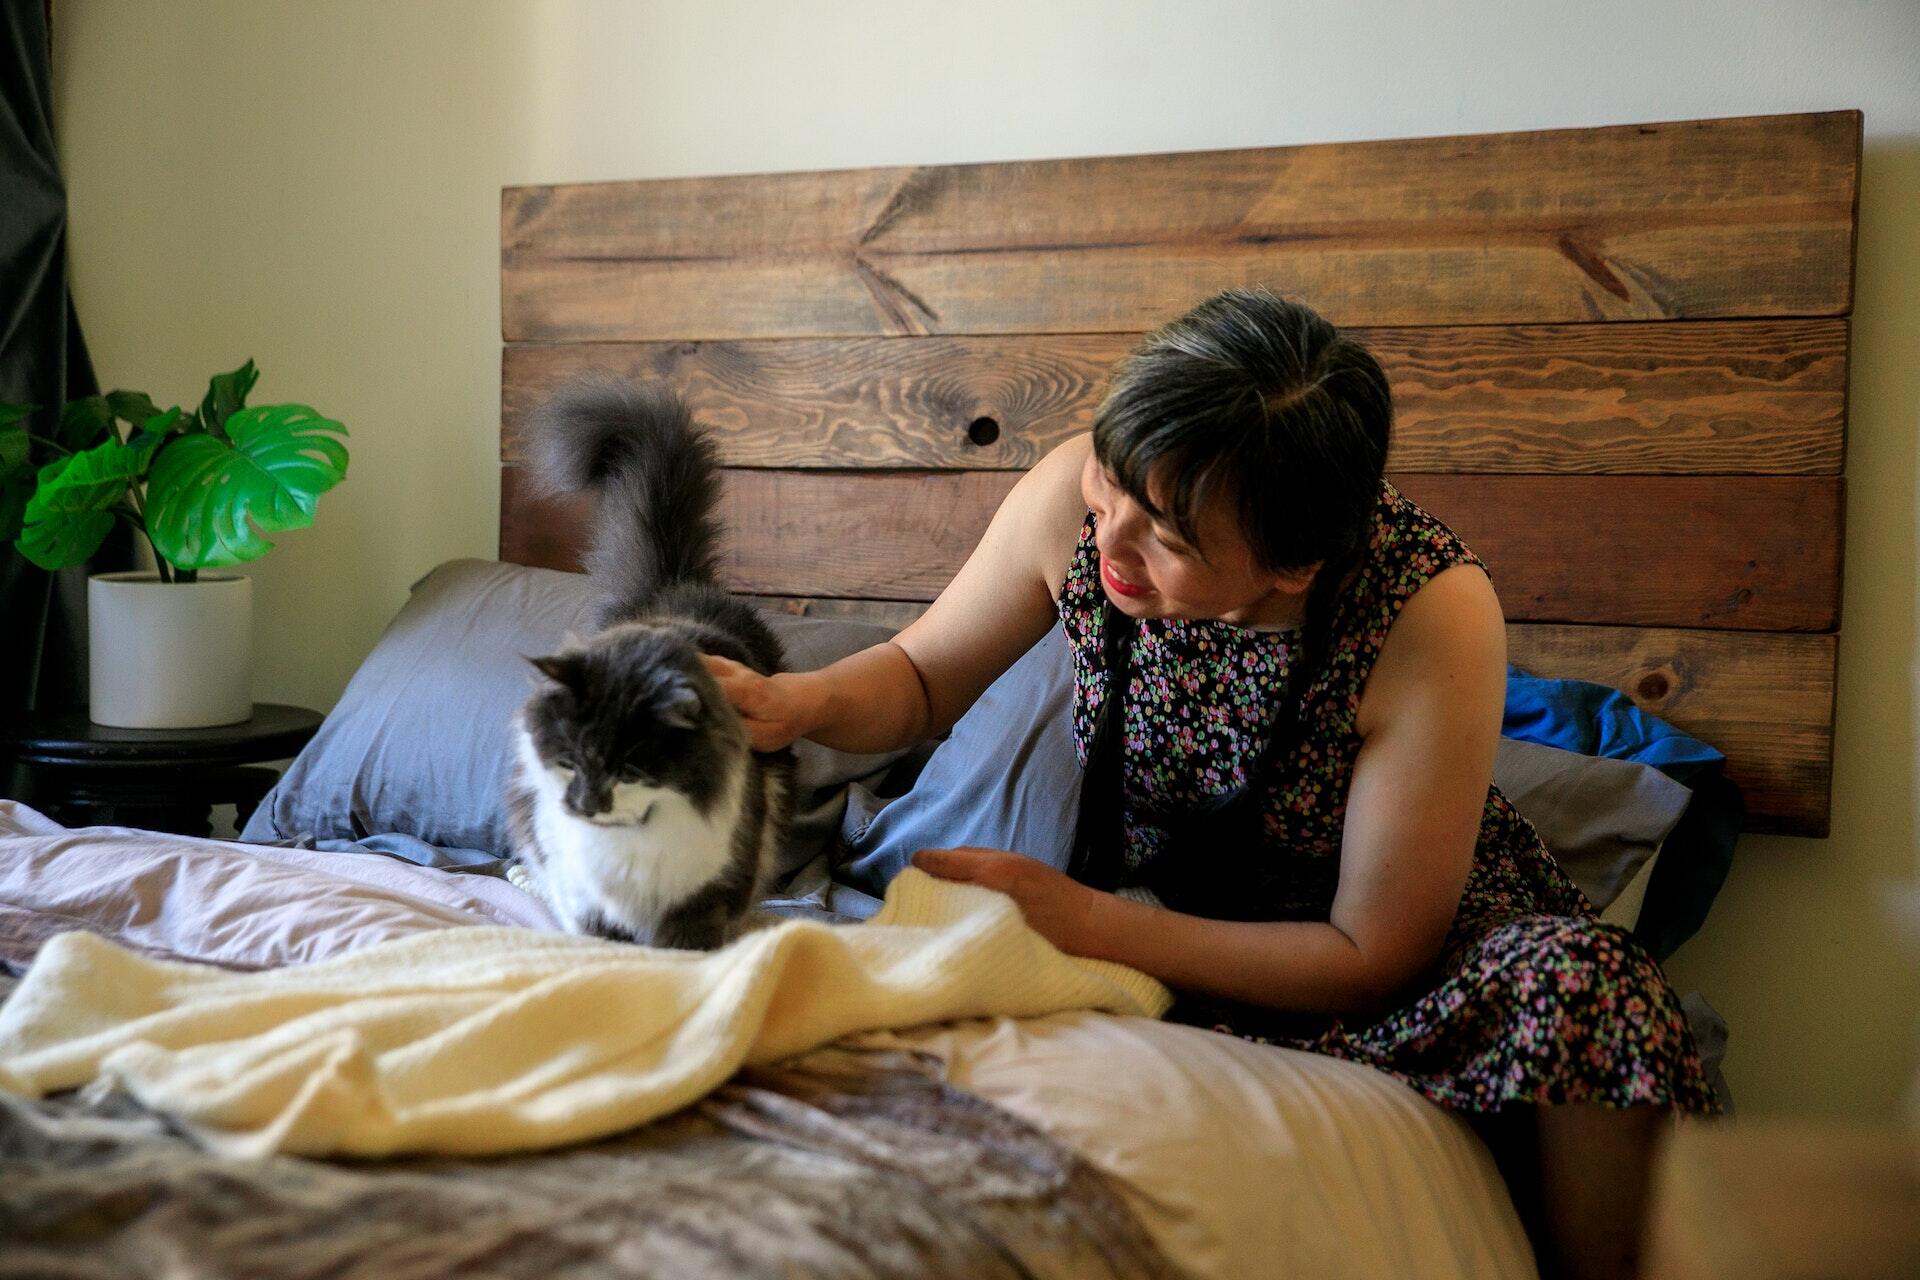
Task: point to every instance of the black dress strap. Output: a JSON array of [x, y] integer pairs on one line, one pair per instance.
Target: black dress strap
[[1097, 835], [1230, 816]]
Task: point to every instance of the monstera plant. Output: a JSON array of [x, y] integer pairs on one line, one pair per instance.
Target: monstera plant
[[204, 488]]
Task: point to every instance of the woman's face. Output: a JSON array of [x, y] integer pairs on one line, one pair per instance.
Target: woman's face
[[1148, 571]]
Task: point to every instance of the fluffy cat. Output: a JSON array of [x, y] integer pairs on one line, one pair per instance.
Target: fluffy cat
[[636, 807]]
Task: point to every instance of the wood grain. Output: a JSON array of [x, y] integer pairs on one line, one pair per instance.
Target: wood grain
[[888, 613], [1694, 219], [882, 351], [1745, 553], [1715, 397], [1764, 700]]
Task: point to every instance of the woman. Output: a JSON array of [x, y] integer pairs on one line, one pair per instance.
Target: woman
[[1288, 691]]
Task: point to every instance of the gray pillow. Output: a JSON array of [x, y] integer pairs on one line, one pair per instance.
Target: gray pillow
[[1601, 819], [418, 744], [1007, 778]]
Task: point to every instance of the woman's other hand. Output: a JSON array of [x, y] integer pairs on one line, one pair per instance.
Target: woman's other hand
[[776, 709], [1055, 906]]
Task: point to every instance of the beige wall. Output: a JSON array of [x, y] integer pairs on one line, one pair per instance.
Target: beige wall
[[316, 185]]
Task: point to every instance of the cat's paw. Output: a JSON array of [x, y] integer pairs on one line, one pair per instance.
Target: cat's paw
[[520, 878]]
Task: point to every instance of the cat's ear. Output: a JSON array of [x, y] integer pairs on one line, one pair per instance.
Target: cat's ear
[[560, 667], [680, 707]]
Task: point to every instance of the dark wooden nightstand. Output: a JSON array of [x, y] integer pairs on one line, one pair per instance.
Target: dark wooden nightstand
[[84, 774]]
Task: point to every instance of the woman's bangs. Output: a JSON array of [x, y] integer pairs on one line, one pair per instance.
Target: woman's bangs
[[1187, 477]]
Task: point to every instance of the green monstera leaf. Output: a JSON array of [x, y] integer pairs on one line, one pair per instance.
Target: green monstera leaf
[[226, 396], [131, 407], [71, 511], [84, 422], [91, 480], [205, 497], [68, 538], [152, 432]]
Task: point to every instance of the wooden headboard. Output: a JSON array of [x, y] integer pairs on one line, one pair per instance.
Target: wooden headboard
[[1618, 357]]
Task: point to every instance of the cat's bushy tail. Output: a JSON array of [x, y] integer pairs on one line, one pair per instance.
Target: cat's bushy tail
[[656, 472]]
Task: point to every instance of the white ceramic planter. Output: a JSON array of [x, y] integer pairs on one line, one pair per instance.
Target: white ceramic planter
[[169, 655]]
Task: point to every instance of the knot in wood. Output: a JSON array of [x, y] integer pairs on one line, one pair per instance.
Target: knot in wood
[[983, 431], [1654, 686]]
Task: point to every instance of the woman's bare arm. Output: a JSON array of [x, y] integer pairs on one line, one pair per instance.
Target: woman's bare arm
[[1430, 722], [916, 685]]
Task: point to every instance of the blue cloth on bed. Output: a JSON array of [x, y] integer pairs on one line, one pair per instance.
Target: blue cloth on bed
[[1594, 719]]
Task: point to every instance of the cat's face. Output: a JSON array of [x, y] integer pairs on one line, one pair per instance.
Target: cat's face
[[628, 715]]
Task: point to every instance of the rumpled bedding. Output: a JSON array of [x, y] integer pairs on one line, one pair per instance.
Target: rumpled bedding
[[240, 906], [477, 1041], [838, 1164], [1236, 1159]]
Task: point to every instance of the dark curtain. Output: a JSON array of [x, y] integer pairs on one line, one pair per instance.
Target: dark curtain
[[43, 361]]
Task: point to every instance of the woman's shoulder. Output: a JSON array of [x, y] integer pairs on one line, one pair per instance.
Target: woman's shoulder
[[1411, 544], [1424, 578], [1057, 475], [1052, 508], [1446, 627]]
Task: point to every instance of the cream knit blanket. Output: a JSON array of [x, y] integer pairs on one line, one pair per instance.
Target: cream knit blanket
[[476, 1040]]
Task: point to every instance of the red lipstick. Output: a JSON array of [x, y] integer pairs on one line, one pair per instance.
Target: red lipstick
[[1119, 584]]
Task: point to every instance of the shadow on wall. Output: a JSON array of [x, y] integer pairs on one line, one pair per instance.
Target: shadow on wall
[[410, 329], [327, 204], [1806, 952], [1875, 727]]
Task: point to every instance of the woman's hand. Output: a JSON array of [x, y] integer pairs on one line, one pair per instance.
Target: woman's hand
[[1056, 906], [777, 709]]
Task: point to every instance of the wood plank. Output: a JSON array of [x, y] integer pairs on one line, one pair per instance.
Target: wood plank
[[883, 535], [1764, 700], [1692, 219], [888, 613], [1746, 553], [1714, 397]]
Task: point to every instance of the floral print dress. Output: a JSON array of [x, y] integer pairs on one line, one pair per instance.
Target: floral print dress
[[1532, 999]]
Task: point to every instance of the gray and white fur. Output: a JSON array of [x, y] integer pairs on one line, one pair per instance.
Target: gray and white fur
[[636, 806]]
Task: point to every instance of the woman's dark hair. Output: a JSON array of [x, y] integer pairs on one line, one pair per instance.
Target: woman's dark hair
[[1255, 400], [1259, 398]]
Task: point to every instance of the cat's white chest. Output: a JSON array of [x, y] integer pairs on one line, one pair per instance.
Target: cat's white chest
[[624, 867]]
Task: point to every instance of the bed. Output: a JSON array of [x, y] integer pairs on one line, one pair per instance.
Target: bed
[[1619, 362]]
